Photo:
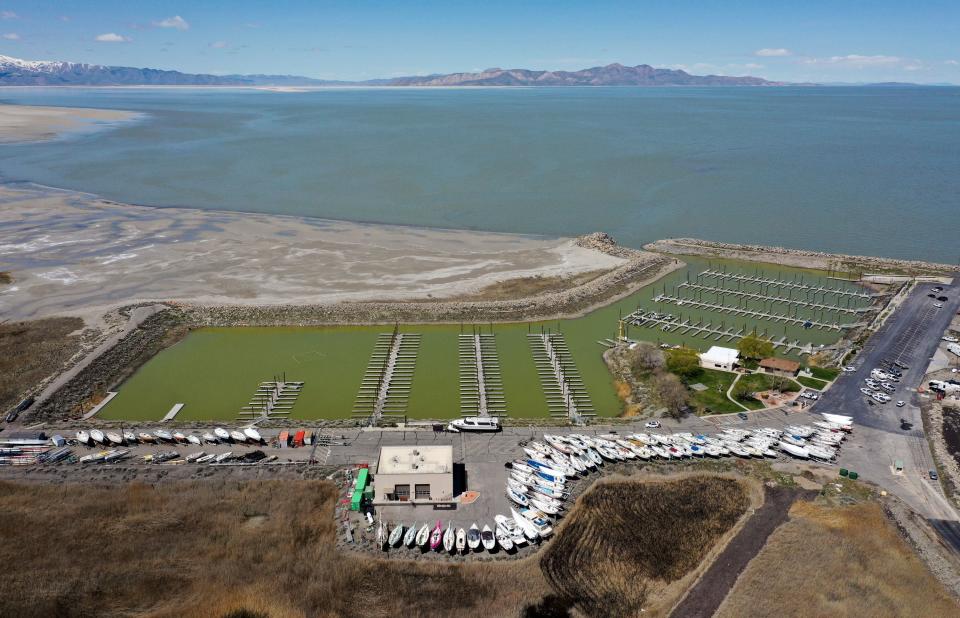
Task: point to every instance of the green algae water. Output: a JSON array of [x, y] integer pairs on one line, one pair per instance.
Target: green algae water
[[214, 371]]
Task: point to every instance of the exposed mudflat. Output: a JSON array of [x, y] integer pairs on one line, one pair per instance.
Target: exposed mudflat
[[74, 253]]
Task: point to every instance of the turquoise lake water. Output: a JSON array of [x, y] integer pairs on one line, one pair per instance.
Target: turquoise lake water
[[856, 170]]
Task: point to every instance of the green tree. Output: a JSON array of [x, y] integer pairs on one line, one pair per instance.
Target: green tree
[[684, 362], [741, 390], [753, 346]]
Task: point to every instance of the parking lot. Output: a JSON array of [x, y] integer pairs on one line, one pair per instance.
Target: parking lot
[[881, 440]]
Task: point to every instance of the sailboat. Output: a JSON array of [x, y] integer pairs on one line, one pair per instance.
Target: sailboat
[[423, 536], [411, 536], [436, 537], [396, 535], [449, 538], [473, 537], [461, 540], [503, 538], [487, 538], [97, 436]]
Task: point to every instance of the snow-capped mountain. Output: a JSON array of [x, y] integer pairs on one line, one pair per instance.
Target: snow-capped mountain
[[17, 72]]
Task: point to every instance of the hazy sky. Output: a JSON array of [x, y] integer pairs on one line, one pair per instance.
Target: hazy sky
[[833, 40]]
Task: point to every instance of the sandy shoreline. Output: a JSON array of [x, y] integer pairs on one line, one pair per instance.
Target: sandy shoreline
[[29, 123], [75, 254]]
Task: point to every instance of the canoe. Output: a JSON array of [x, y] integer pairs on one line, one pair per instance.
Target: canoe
[[97, 436], [114, 437], [252, 434], [449, 538], [194, 439], [423, 536], [238, 436], [488, 539], [473, 537], [504, 540], [411, 536], [461, 540], [221, 433], [396, 535], [83, 437], [436, 537]]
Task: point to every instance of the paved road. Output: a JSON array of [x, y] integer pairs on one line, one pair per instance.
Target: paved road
[[910, 336]]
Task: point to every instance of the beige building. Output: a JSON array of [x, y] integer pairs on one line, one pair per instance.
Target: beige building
[[718, 357], [414, 473]]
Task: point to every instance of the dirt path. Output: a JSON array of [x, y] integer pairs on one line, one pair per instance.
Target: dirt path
[[712, 588]]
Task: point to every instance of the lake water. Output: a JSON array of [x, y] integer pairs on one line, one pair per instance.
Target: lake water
[[855, 170]]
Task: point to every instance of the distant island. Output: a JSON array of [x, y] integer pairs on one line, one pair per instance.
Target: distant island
[[17, 72]]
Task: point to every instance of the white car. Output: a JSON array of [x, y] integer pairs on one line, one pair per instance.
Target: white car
[[938, 305], [881, 398], [867, 392], [849, 369], [951, 339], [652, 425], [900, 404], [887, 386]]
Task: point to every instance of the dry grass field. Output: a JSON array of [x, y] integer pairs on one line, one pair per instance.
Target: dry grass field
[[837, 561], [209, 548], [625, 540], [31, 351], [257, 549]]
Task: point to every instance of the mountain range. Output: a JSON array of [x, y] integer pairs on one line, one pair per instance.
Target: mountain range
[[16, 72]]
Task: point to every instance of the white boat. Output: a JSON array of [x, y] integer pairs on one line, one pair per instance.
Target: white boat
[[83, 437], [130, 437], [206, 458], [503, 539], [179, 436], [539, 522], [792, 449], [510, 527], [221, 433], [820, 452], [461, 540], [396, 535], [116, 455], [449, 538], [410, 538], [114, 438], [475, 423], [145, 437], [473, 537], [529, 530], [837, 418], [517, 497], [237, 436], [209, 437], [381, 534], [194, 439], [252, 434], [487, 538], [517, 486], [423, 535], [543, 505], [222, 457], [163, 435], [97, 436], [192, 457]]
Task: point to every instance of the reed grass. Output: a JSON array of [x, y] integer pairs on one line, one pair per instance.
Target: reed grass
[[32, 351]]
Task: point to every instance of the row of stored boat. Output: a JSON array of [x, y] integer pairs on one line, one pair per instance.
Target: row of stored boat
[[129, 437], [508, 534]]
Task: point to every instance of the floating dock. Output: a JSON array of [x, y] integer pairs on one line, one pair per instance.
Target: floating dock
[[481, 386], [566, 394], [784, 318], [721, 293], [173, 412], [385, 388], [96, 409], [272, 400], [781, 284]]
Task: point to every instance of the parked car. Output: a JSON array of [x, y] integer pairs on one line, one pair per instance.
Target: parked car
[[652, 424], [933, 475], [742, 415], [938, 305], [849, 369], [900, 404]]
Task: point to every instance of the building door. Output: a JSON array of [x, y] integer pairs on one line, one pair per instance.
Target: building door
[[401, 492], [422, 492]]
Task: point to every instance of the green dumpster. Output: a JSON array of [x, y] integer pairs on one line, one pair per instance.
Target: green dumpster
[[358, 489], [843, 471], [854, 476]]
